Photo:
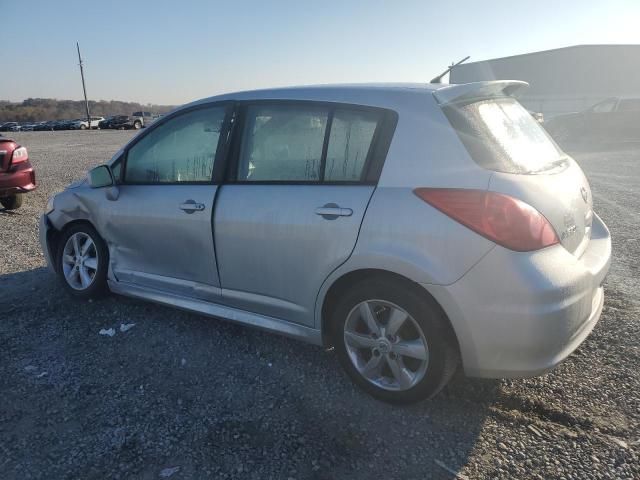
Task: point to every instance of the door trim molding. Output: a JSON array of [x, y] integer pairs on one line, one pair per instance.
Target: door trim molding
[[262, 322]]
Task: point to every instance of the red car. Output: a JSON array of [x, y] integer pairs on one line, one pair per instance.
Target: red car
[[16, 174]]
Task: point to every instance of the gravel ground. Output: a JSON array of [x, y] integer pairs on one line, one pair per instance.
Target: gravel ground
[[183, 396]]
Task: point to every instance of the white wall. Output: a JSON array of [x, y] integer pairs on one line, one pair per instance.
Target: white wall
[[563, 80]]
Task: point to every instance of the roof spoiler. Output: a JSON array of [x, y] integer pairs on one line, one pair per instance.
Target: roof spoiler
[[466, 92]]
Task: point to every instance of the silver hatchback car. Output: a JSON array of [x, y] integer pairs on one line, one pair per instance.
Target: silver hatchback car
[[411, 227]]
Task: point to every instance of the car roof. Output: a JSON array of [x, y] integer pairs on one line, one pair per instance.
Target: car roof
[[385, 95], [373, 94]]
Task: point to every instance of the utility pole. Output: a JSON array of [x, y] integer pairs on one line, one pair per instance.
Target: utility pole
[[84, 89]]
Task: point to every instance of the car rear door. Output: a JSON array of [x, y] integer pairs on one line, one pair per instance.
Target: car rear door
[[297, 193], [159, 229]]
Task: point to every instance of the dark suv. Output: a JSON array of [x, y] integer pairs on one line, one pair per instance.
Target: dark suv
[[118, 122], [611, 120], [16, 174]]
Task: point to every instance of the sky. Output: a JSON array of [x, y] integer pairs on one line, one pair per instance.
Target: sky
[[172, 52]]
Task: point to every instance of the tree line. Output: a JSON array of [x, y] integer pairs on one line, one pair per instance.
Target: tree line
[[40, 109]]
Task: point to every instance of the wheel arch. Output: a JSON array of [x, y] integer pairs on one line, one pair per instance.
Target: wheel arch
[[333, 291], [54, 235]]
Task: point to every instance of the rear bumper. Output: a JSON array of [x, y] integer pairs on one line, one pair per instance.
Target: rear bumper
[[20, 179], [521, 314]]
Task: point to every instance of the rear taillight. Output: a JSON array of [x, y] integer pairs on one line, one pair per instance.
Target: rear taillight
[[502, 219], [19, 155]]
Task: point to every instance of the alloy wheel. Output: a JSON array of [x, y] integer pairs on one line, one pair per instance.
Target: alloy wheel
[[386, 345], [80, 261]]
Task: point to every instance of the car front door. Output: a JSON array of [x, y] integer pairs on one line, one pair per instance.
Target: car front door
[[159, 229], [292, 210]]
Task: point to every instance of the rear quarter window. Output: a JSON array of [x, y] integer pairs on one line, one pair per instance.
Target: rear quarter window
[[501, 135]]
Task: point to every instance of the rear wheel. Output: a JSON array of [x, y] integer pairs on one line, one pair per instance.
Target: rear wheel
[[83, 127], [82, 261], [394, 342], [12, 202], [137, 125]]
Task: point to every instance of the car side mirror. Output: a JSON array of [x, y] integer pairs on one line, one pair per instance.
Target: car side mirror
[[100, 177]]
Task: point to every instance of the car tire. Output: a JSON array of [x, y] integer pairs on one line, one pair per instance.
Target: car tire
[[83, 127], [82, 267], [12, 202], [399, 377], [137, 125]]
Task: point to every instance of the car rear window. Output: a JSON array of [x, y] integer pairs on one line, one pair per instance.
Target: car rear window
[[501, 135]]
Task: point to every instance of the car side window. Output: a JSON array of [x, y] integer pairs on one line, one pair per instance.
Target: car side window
[[180, 150], [349, 144], [282, 143]]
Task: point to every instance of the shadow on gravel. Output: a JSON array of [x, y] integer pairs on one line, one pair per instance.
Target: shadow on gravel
[[30, 285], [4, 211], [212, 398]]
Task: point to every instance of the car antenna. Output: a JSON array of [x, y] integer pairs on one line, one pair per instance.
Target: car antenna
[[438, 79]]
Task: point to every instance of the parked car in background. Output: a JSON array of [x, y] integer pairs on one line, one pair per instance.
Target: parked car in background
[[7, 126], [45, 126], [120, 122], [143, 119], [611, 120], [60, 124], [104, 123], [83, 124], [17, 176], [65, 124], [357, 217]]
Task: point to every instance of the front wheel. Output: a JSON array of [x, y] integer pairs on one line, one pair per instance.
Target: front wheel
[[137, 125], [394, 342], [12, 202], [82, 261]]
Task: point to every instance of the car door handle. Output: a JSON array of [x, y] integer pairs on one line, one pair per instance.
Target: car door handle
[[191, 206], [331, 211]]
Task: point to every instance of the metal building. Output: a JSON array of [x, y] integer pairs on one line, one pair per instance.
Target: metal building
[[564, 79]]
